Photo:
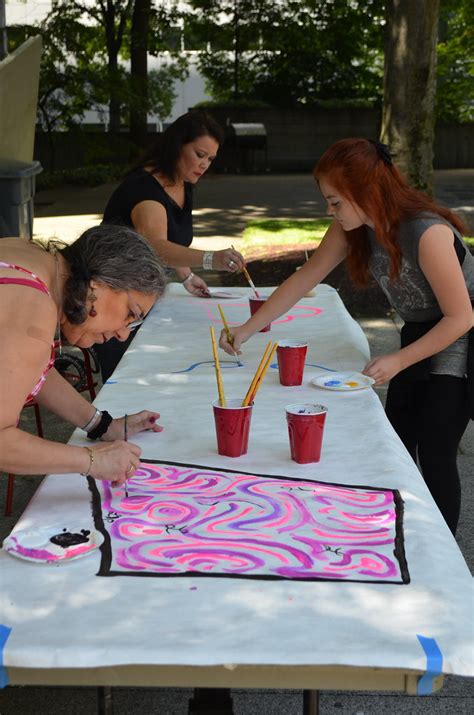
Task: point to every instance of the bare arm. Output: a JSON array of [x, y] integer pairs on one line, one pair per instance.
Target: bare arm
[[328, 255], [440, 265], [59, 396], [149, 219]]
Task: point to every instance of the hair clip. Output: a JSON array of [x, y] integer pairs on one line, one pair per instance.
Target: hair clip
[[383, 151]]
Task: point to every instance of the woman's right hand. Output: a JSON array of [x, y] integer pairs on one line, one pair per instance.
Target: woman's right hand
[[228, 260], [114, 461], [238, 336]]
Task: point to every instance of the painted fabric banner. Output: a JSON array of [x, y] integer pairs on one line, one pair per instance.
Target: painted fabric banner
[[181, 520]]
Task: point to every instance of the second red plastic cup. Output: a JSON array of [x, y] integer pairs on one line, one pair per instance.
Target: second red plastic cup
[[256, 303], [305, 429], [291, 355], [232, 427]]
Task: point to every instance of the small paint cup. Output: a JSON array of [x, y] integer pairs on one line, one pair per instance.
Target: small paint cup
[[305, 429], [232, 427], [291, 355], [256, 303]]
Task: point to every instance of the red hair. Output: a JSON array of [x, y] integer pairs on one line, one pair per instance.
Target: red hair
[[364, 173]]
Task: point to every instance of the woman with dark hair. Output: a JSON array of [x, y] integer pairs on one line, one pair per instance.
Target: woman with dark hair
[[414, 249], [99, 287], [155, 199]]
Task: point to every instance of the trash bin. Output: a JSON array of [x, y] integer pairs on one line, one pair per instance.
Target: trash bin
[[17, 189], [242, 143]]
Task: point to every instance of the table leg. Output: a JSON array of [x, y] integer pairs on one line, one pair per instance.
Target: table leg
[[211, 701], [104, 701], [310, 702]]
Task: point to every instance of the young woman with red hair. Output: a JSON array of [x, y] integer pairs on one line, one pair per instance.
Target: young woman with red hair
[[414, 249]]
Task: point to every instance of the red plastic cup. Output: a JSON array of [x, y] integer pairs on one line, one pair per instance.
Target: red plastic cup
[[232, 427], [305, 429], [291, 355], [256, 303]]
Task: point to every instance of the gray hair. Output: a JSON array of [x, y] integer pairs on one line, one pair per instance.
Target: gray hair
[[114, 255]]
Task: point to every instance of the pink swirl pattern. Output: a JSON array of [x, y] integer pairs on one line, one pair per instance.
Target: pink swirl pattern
[[297, 311], [188, 520]]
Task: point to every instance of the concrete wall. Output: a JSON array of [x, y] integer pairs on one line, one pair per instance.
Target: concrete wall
[[295, 140], [19, 81]]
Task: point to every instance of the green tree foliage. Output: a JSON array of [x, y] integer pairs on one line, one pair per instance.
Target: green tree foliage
[[86, 60], [64, 87], [64, 92], [292, 52], [455, 71]]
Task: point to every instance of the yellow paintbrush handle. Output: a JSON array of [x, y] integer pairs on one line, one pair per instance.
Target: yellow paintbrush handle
[[220, 386]]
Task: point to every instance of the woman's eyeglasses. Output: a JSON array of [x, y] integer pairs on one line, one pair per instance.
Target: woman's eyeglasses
[[138, 318], [135, 323]]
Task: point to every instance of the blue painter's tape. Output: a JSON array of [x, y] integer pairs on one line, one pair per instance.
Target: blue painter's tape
[[223, 363], [4, 633], [323, 367], [309, 364], [434, 664]]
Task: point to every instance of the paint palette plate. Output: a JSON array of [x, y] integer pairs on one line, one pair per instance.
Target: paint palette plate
[[224, 294], [53, 544], [343, 381]]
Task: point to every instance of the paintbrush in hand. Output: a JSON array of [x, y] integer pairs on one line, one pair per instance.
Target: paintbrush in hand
[[229, 336], [249, 280]]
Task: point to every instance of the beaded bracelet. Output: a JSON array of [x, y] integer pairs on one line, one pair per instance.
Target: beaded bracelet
[[207, 260], [102, 427], [188, 278], [91, 462]]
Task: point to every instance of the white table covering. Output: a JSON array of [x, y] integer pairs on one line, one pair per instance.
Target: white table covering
[[67, 617]]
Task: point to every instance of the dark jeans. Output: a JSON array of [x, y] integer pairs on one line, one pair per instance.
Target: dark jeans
[[110, 353], [430, 417]]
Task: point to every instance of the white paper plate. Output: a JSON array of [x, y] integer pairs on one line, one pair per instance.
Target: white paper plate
[[66, 544], [223, 294], [343, 381]]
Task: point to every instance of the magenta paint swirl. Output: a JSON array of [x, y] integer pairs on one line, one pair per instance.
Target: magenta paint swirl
[[182, 520]]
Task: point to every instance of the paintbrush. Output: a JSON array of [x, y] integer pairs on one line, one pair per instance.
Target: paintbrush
[[249, 280], [220, 386], [125, 437], [229, 336]]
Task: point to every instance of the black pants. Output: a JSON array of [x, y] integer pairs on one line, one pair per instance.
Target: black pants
[[430, 417], [110, 353]]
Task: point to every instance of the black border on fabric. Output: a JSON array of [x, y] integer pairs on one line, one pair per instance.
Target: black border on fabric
[[106, 547]]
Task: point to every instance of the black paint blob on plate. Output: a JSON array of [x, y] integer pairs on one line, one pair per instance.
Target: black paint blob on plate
[[67, 539]]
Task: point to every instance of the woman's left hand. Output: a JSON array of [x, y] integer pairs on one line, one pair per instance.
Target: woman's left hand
[[382, 369], [196, 286], [138, 422]]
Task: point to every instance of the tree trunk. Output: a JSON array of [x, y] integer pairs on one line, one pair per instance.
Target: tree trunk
[[139, 72], [114, 101], [236, 21], [409, 87], [111, 13]]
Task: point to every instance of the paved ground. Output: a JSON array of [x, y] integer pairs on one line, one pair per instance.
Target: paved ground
[[223, 206]]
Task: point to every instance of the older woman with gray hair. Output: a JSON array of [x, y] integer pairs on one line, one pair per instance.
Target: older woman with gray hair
[[100, 287]]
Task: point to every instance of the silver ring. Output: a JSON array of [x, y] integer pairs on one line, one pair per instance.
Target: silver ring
[[130, 470]]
